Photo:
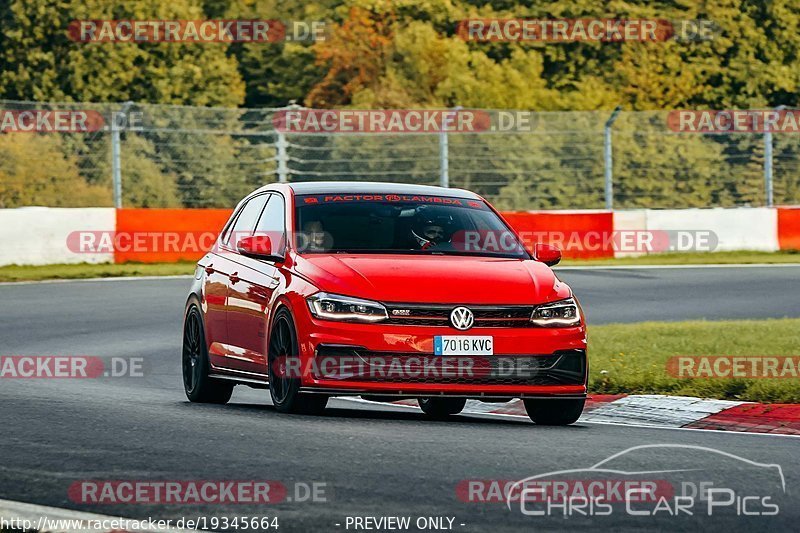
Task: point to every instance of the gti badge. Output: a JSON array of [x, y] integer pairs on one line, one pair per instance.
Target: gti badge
[[462, 318]]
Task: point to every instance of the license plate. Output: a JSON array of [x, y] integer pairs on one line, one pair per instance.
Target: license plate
[[462, 345]]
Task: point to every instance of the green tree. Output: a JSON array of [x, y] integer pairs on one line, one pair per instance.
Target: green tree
[[38, 61], [35, 171], [275, 72]]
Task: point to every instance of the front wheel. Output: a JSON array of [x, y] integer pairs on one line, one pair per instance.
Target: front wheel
[[196, 383], [441, 407], [284, 388], [554, 412]]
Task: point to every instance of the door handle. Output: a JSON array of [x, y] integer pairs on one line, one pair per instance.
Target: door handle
[[234, 277], [210, 269]]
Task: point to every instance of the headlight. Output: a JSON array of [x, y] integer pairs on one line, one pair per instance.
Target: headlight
[[557, 314], [336, 307]]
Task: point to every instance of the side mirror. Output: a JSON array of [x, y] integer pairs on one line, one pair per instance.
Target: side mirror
[[257, 247], [547, 254]]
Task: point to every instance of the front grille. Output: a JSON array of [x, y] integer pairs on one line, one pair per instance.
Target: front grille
[[439, 315], [343, 364]]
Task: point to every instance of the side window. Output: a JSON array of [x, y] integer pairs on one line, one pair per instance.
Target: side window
[[273, 223], [246, 221]]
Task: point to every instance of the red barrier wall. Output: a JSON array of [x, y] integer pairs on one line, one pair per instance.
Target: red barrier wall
[[189, 229], [567, 230], [789, 228]]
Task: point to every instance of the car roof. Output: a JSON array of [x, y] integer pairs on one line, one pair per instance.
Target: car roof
[[375, 187]]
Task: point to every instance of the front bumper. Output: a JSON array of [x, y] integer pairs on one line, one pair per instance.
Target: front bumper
[[398, 360]]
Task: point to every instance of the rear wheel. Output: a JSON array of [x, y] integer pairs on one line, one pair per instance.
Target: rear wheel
[[441, 407], [196, 383], [554, 412], [283, 387]]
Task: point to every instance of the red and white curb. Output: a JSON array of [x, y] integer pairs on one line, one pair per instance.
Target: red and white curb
[[31, 517], [782, 419], [662, 411], [657, 410]]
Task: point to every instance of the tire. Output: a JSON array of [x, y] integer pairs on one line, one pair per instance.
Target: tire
[[441, 407], [554, 412], [198, 386], [285, 390]]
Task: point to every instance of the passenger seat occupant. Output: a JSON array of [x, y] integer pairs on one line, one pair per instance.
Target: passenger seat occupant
[[315, 236]]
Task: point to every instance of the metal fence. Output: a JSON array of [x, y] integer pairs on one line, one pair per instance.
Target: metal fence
[[173, 156]]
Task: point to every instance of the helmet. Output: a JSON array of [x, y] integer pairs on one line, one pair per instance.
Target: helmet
[[431, 228]]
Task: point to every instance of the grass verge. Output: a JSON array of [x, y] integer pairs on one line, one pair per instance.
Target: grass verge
[[698, 258], [634, 357], [85, 270]]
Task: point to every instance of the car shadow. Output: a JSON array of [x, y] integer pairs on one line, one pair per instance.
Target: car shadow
[[376, 413]]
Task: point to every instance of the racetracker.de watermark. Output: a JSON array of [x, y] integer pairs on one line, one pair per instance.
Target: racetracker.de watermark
[[604, 30], [67, 121], [562, 490], [195, 31], [401, 367], [174, 242], [50, 121], [195, 492], [69, 367], [734, 121], [734, 366], [104, 242], [623, 241], [382, 121]]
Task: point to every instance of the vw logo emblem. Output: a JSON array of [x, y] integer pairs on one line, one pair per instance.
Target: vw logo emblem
[[462, 318]]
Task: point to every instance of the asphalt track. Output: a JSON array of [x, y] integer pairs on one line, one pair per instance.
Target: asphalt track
[[375, 460]]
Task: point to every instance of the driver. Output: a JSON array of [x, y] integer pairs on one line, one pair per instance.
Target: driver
[[430, 233]]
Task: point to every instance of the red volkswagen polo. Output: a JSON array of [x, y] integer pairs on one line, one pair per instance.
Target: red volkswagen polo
[[386, 291]]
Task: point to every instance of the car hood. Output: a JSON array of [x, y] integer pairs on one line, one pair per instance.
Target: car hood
[[433, 279]]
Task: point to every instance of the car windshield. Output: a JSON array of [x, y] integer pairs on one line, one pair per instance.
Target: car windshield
[[410, 224]]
